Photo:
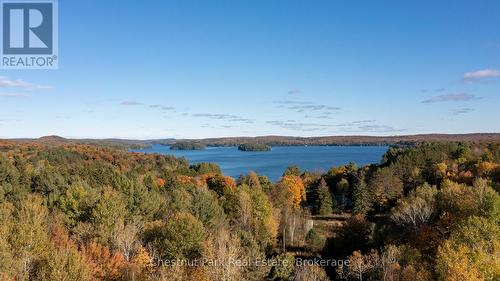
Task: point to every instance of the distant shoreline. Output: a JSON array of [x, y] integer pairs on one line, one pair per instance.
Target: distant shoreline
[[403, 140]]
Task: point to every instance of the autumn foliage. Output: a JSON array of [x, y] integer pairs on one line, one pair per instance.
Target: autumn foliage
[[296, 187], [80, 211]]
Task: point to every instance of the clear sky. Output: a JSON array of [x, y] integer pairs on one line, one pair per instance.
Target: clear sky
[[159, 69]]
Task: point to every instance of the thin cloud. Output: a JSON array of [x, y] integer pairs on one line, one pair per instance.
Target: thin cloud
[[294, 92], [372, 128], [364, 121], [214, 116], [288, 102], [481, 74], [14, 95], [304, 106], [131, 103], [453, 97], [243, 120], [162, 107], [225, 117], [367, 126], [301, 108], [460, 111], [298, 126], [356, 123], [5, 82], [359, 126], [380, 129]]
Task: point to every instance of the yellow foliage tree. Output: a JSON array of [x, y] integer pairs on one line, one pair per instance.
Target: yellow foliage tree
[[441, 169], [471, 253], [296, 186], [484, 168], [142, 260]]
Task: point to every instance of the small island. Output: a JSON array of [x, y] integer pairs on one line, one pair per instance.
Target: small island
[[187, 146], [254, 147]]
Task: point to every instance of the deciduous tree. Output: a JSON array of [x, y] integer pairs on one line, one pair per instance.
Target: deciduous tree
[[295, 185]]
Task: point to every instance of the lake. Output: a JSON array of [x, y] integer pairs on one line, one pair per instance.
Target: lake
[[234, 162]]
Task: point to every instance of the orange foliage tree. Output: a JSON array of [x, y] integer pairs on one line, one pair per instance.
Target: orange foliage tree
[[104, 264], [296, 186]]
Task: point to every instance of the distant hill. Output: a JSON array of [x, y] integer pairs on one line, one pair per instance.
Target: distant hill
[[52, 138], [285, 140], [352, 140], [187, 146]]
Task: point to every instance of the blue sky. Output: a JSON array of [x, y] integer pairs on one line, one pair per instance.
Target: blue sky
[[194, 69]]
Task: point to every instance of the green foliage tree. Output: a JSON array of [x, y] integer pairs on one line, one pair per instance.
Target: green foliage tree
[[324, 203], [206, 168], [205, 207], [252, 180], [285, 267], [48, 182], [385, 186], [28, 237], [462, 153], [180, 237], [460, 201], [315, 241], [108, 215], [76, 203], [62, 264], [362, 197], [9, 177], [293, 170], [265, 225]]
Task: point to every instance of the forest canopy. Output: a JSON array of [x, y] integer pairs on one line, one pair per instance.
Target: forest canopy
[[73, 211]]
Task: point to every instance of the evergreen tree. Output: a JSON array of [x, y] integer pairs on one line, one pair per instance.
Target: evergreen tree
[[362, 197], [292, 170], [324, 203]]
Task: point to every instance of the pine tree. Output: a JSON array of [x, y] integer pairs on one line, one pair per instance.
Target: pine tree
[[362, 197], [324, 202]]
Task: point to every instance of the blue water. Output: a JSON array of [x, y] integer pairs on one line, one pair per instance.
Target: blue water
[[234, 162]]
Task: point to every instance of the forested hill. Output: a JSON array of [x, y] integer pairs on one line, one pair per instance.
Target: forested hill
[[354, 140], [289, 140]]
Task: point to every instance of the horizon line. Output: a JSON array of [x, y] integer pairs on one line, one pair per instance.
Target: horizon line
[[257, 136]]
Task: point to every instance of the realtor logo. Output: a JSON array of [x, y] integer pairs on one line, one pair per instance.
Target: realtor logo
[[29, 34]]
